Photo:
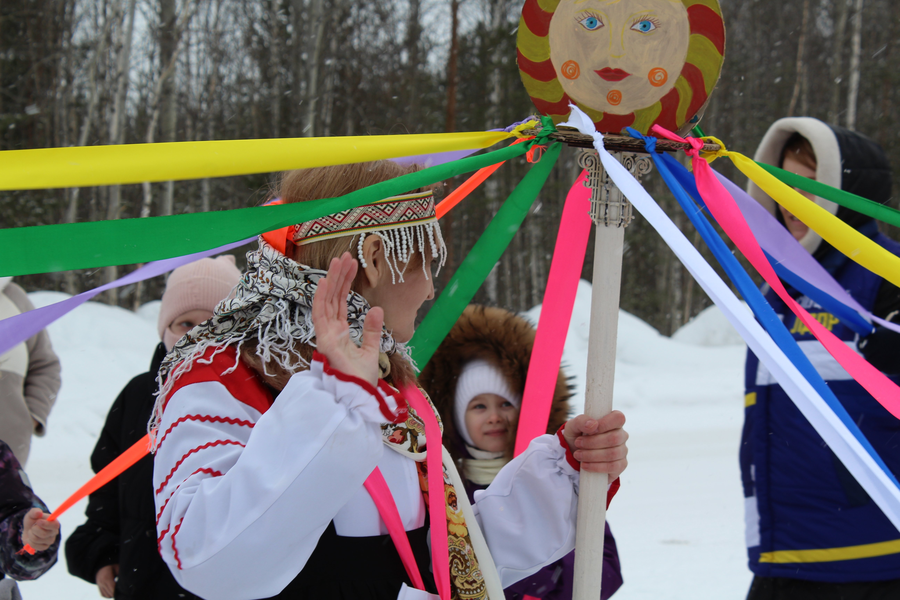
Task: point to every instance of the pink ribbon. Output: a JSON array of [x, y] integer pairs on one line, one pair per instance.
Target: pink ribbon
[[728, 215], [437, 504], [381, 495], [556, 313]]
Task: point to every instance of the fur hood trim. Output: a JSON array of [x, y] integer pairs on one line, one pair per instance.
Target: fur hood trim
[[828, 163], [500, 337], [845, 159]]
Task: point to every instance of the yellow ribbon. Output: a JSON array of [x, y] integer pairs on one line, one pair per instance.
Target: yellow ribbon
[[135, 163], [847, 240]]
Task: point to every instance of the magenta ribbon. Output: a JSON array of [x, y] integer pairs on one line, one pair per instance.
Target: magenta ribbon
[[556, 313], [18, 328], [728, 215], [381, 495], [437, 503], [782, 247]]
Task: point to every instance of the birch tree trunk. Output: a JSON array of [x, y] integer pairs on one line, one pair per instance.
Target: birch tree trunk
[[856, 43], [837, 59], [93, 90], [312, 82], [800, 70], [117, 127], [168, 44]]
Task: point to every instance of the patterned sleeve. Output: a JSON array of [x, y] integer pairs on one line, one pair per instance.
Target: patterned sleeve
[[16, 500]]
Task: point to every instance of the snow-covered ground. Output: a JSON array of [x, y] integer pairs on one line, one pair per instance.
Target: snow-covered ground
[[678, 518]]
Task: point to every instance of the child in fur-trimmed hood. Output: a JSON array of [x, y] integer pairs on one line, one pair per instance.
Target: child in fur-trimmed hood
[[476, 380]]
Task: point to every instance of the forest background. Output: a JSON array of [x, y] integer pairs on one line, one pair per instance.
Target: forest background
[[91, 72]]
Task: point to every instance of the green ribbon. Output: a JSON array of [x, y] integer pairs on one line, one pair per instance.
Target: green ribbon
[[480, 260], [846, 199], [64, 247]]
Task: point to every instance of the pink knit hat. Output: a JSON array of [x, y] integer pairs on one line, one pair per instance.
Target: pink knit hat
[[201, 284]]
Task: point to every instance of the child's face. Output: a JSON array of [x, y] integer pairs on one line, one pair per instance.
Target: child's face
[[183, 323], [797, 227], [491, 420]]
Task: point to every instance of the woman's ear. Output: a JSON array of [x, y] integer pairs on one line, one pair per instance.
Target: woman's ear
[[376, 264]]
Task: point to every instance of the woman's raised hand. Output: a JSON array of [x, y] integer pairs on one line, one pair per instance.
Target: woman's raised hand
[[329, 314]]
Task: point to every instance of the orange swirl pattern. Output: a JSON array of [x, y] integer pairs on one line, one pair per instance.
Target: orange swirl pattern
[[614, 97], [657, 77], [570, 70]]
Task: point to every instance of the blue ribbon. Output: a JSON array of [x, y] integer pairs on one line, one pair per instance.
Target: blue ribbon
[[681, 182]]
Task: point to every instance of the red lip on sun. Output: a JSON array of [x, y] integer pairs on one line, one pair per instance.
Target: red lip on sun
[[612, 74]]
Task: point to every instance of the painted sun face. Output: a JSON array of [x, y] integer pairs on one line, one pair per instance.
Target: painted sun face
[[618, 56]]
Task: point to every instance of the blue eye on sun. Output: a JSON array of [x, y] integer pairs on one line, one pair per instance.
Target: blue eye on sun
[[591, 22], [644, 26]]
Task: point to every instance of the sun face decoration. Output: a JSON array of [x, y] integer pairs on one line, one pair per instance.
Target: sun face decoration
[[623, 62]]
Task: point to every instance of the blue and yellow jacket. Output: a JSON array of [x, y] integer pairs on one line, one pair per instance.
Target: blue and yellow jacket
[[807, 517]]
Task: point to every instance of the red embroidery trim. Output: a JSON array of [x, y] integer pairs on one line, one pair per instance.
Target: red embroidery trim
[[204, 419], [341, 376], [161, 538], [402, 404], [613, 488], [570, 458], [206, 470], [174, 549], [193, 450], [242, 383]]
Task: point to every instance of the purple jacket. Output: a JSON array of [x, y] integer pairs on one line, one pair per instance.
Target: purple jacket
[[16, 499], [555, 581]]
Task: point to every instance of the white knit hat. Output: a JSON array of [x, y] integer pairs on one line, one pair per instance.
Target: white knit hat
[[478, 377], [199, 285]]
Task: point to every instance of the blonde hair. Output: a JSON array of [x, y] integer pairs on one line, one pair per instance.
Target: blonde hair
[[318, 184]]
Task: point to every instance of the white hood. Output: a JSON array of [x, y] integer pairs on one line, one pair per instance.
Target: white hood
[[828, 163]]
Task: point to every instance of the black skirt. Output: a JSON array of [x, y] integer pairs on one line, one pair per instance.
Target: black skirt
[[359, 568]]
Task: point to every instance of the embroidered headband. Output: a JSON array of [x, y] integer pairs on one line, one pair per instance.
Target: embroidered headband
[[402, 222]]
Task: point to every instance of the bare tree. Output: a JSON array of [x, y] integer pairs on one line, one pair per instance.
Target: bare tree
[[117, 124], [841, 6], [801, 70], [855, 49]]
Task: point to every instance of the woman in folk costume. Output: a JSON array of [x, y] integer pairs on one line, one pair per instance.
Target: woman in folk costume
[[476, 379], [280, 419]]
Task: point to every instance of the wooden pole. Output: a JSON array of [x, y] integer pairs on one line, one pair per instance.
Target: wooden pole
[[611, 213]]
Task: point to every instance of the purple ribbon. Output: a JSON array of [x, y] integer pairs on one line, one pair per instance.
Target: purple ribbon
[[16, 329], [782, 247], [430, 160], [19, 328]]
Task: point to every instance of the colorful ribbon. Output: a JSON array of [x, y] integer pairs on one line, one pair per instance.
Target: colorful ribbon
[[678, 179], [387, 508], [797, 266], [468, 186], [18, 328], [729, 217], [556, 313], [437, 502], [84, 166], [477, 264], [70, 246], [137, 451], [846, 199], [834, 231], [880, 485]]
